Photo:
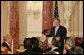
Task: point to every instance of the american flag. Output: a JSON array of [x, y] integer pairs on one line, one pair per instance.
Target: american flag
[[56, 14]]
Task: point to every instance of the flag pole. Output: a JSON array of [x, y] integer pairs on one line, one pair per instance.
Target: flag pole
[[12, 46]]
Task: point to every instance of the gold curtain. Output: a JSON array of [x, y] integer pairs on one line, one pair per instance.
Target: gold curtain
[[71, 16]]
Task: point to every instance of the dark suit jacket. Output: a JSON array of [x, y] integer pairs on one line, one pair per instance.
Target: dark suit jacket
[[37, 50], [33, 51], [28, 51], [61, 32], [6, 45]]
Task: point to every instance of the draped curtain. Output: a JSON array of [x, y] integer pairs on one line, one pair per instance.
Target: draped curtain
[[5, 18], [71, 16]]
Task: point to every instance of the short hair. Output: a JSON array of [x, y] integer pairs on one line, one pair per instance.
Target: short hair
[[70, 42], [27, 43], [35, 42], [57, 19]]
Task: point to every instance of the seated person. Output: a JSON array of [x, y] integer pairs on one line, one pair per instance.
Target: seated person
[[27, 46], [5, 44], [53, 46], [35, 46], [71, 48]]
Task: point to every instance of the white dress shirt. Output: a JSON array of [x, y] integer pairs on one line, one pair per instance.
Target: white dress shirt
[[56, 28]]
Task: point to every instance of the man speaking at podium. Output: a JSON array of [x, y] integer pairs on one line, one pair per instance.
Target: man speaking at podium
[[59, 32]]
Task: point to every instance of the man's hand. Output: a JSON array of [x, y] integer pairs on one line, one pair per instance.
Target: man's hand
[[57, 38]]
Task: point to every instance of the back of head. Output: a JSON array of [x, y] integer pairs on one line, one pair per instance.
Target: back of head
[[35, 42], [27, 43], [71, 42]]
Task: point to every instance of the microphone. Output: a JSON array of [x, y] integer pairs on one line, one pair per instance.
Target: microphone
[[44, 31]]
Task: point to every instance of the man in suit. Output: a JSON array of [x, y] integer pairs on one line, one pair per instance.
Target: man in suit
[[59, 32], [7, 40], [53, 46]]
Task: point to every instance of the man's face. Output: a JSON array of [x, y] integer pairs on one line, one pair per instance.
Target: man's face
[[57, 23]]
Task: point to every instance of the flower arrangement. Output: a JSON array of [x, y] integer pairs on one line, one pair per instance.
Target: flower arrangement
[[4, 50]]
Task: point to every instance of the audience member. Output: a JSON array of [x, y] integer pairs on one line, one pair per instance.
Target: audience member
[[53, 46], [35, 46], [71, 48], [32, 47], [27, 46], [7, 40]]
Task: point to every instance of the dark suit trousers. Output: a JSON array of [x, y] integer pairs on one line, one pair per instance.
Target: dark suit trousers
[[62, 46]]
